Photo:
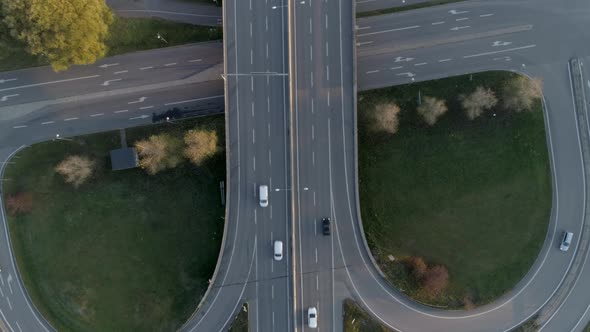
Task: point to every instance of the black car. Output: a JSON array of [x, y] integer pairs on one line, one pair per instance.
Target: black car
[[326, 226]]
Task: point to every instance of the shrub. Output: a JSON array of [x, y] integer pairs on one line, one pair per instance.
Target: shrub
[[478, 101], [19, 203], [435, 280], [200, 145], [418, 267], [159, 152], [386, 117], [431, 109], [520, 93], [76, 169]]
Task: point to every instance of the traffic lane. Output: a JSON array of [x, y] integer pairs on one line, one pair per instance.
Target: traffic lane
[[450, 59], [111, 73], [106, 83], [205, 98], [460, 13], [546, 274], [414, 37], [370, 5], [572, 312]]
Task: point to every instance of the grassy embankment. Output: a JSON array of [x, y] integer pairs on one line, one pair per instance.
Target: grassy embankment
[[473, 196], [126, 251]]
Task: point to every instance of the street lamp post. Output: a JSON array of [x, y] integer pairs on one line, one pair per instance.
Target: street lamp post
[[61, 138], [161, 38]]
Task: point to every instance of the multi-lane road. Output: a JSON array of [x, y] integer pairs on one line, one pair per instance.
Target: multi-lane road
[[296, 133]]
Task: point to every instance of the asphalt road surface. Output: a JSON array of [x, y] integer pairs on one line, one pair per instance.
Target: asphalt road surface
[[537, 38], [256, 85], [322, 86]]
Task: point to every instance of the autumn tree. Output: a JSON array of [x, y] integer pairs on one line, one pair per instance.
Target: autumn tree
[[386, 117], [19, 203], [418, 267], [520, 93], [65, 32], [200, 145], [76, 169], [435, 280], [478, 101], [431, 109], [159, 152]]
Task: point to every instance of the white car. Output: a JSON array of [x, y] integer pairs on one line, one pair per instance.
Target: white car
[[278, 249], [263, 195], [566, 240], [312, 317]]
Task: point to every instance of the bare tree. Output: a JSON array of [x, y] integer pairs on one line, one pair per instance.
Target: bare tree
[[386, 117], [76, 169], [200, 145], [159, 152], [520, 93], [478, 101], [431, 109]]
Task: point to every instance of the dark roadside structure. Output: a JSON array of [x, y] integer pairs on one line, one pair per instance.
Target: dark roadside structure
[[185, 113]]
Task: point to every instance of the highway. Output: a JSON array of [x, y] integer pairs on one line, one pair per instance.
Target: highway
[[395, 49], [323, 98], [256, 86]]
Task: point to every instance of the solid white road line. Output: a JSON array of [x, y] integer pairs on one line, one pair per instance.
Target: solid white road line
[[5, 98], [389, 30], [501, 51], [191, 100], [50, 82], [364, 43]]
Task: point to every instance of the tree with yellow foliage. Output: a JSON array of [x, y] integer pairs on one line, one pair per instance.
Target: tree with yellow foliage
[[65, 32]]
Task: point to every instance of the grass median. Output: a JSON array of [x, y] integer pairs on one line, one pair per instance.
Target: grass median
[[126, 35], [126, 251], [471, 195], [358, 320]]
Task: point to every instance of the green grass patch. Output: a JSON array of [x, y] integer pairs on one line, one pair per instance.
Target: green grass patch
[[126, 35], [474, 196], [126, 251], [405, 8], [357, 320], [240, 324]]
